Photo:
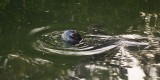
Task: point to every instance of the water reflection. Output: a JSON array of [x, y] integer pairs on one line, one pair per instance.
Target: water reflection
[[23, 67], [126, 63], [116, 57]]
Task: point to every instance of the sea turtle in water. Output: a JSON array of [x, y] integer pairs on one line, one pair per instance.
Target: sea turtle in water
[[89, 44], [71, 37]]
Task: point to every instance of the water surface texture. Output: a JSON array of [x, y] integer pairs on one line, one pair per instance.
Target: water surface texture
[[120, 40]]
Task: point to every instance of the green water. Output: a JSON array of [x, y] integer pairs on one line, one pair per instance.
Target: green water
[[18, 18]]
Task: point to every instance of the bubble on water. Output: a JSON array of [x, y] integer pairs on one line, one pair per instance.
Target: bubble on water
[[88, 19], [55, 21], [78, 3], [47, 11]]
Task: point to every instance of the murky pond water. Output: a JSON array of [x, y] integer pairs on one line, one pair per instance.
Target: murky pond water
[[120, 40]]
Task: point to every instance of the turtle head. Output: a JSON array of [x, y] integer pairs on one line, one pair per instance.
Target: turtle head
[[71, 36]]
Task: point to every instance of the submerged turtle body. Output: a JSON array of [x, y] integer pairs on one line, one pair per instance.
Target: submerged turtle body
[[71, 37]]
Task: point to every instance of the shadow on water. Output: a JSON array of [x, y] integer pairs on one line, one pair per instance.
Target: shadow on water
[[121, 43]]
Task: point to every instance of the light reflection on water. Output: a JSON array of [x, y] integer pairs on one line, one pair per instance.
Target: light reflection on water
[[23, 67], [101, 57], [126, 63]]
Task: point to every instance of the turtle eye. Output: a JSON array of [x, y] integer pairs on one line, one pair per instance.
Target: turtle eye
[[73, 35]]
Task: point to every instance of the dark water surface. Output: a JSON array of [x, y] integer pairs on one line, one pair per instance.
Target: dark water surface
[[121, 40]]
